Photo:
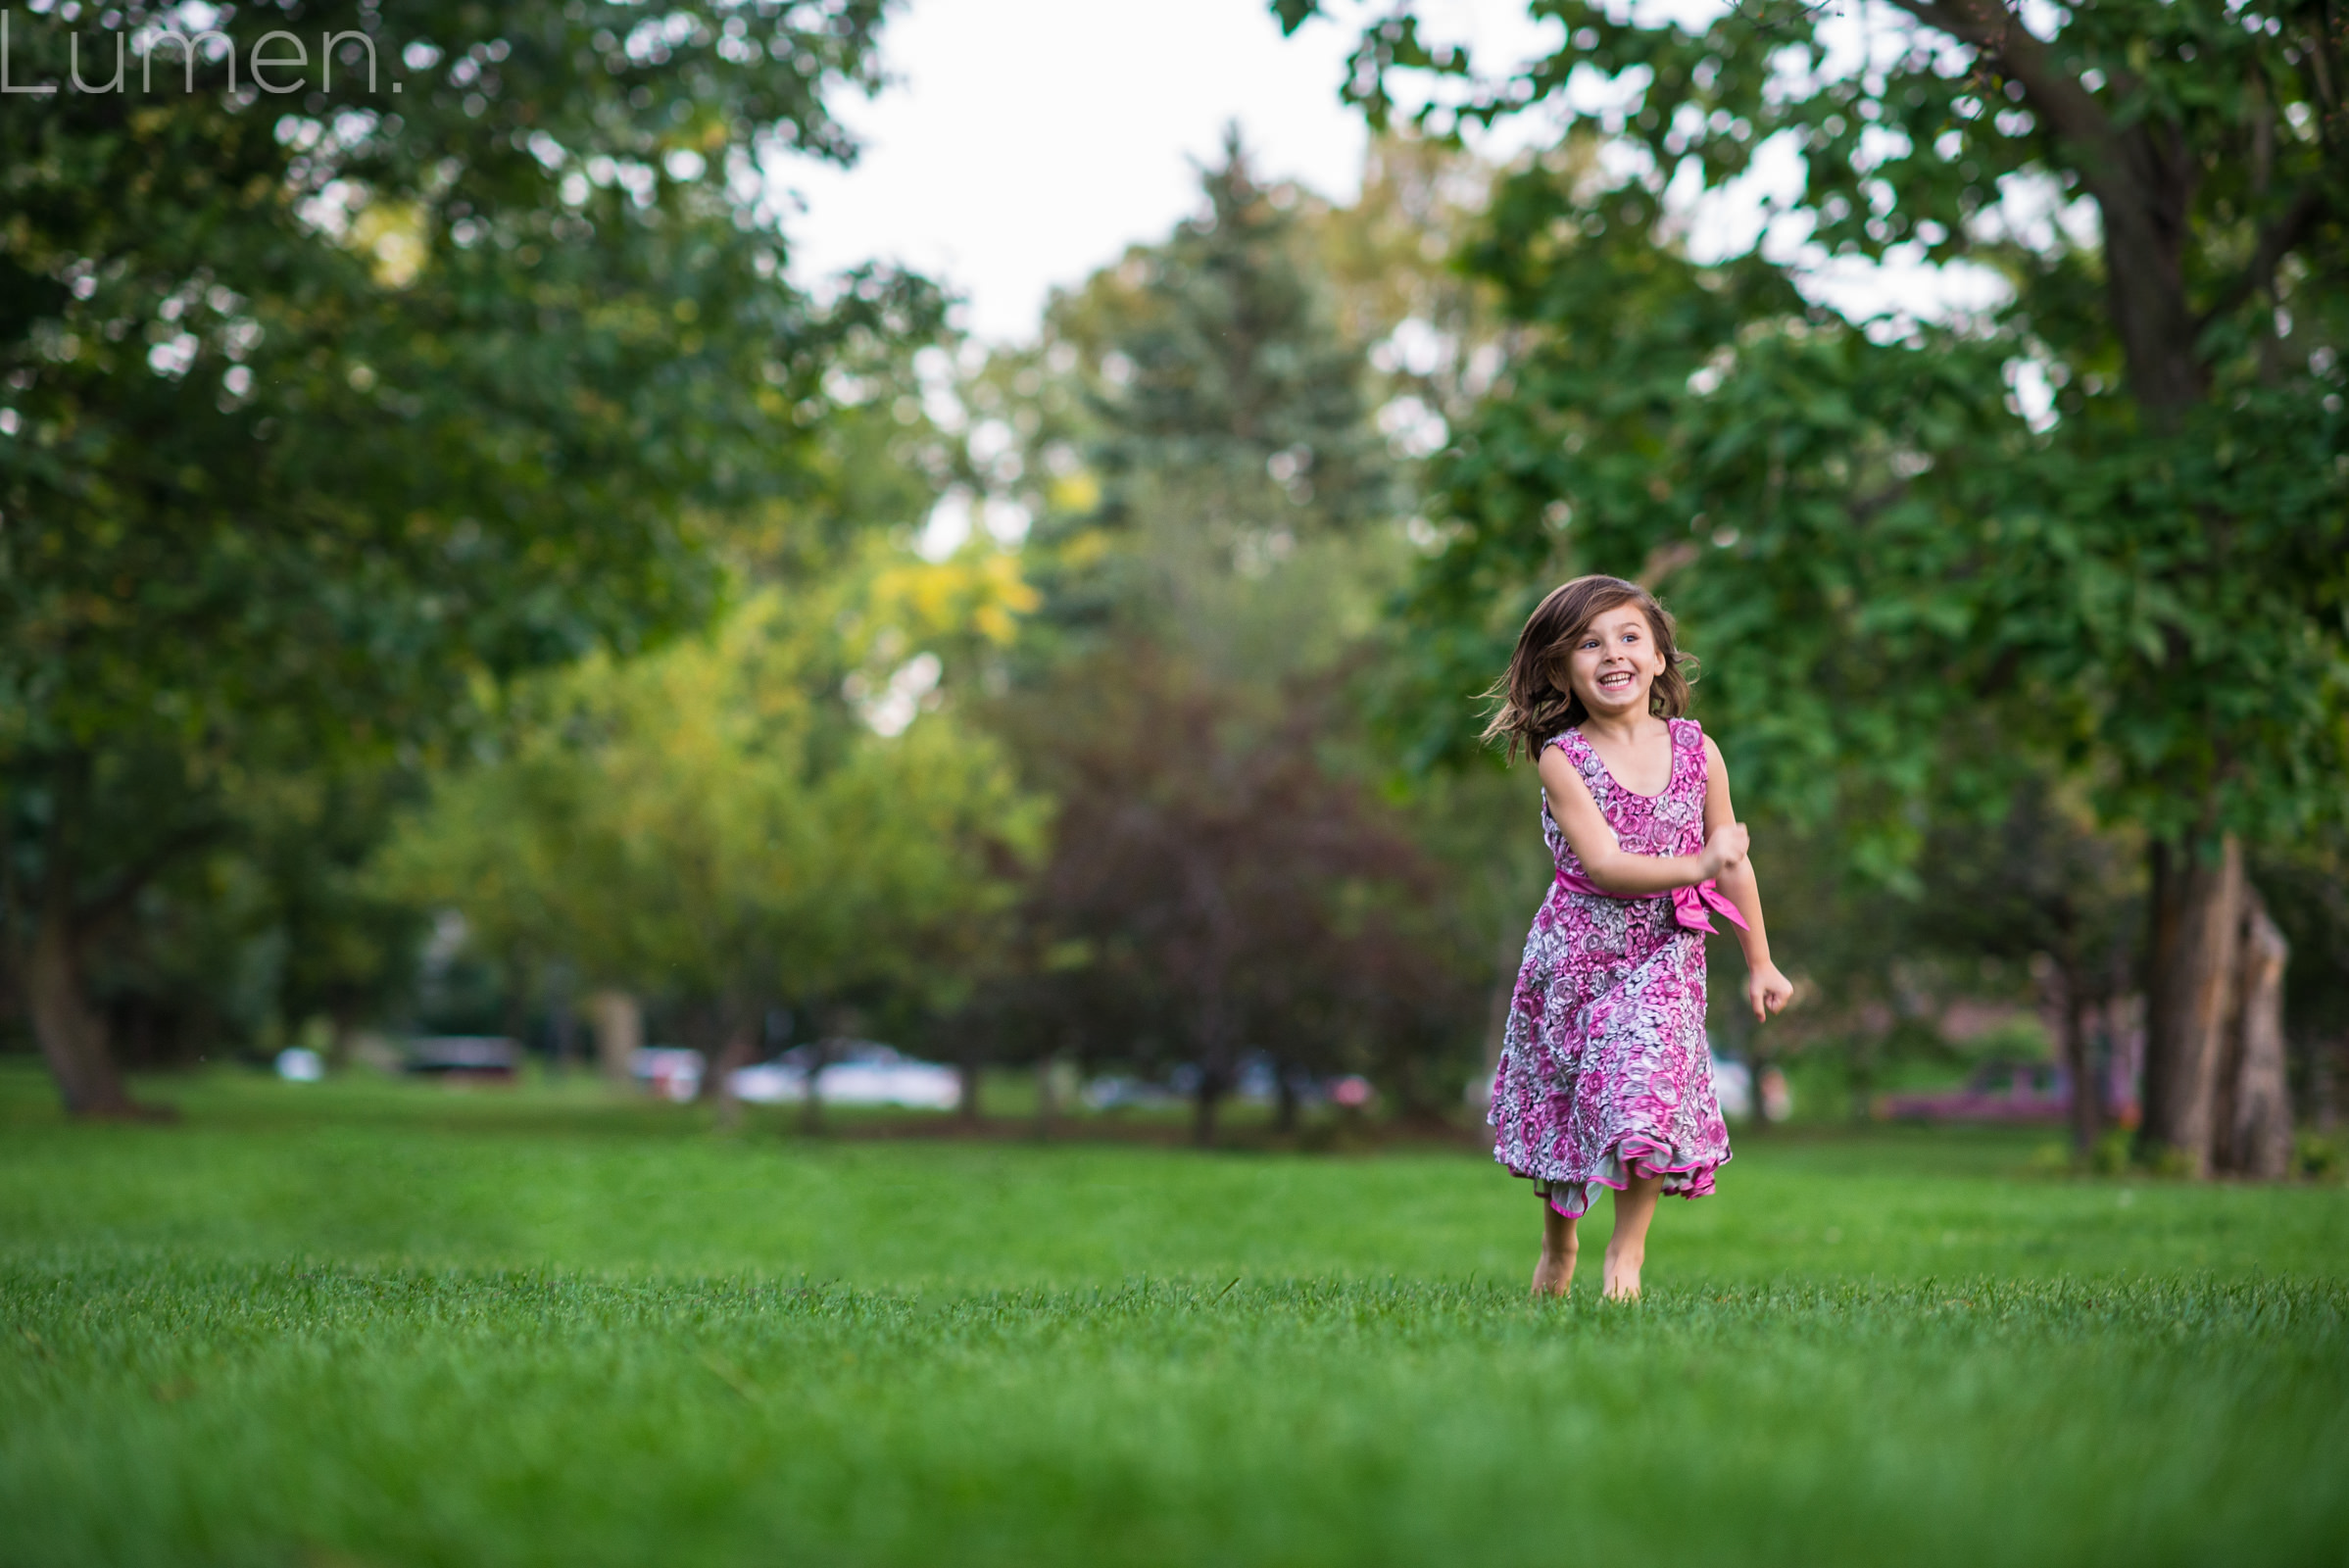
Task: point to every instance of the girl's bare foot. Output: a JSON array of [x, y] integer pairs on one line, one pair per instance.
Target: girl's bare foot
[[1622, 1273], [1627, 1248], [1553, 1272]]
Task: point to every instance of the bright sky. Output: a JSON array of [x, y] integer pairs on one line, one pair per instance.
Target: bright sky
[[1027, 142]]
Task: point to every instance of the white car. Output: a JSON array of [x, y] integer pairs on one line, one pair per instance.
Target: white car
[[862, 1072]]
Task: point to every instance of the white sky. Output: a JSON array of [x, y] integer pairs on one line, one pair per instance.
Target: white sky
[[1027, 142]]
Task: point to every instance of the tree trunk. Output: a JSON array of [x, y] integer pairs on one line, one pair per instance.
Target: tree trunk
[[563, 1025], [966, 1090], [2197, 911], [812, 1103], [2252, 1121], [566, 1032], [1757, 1062], [2080, 1062], [733, 1053], [1204, 1106], [1285, 1102], [2324, 1082], [1498, 1000], [1047, 1103], [620, 1030], [342, 1026], [71, 1034], [514, 1010]]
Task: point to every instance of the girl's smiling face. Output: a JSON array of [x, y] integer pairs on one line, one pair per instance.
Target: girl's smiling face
[[1612, 663]]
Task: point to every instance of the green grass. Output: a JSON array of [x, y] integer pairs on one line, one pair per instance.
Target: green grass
[[371, 1324]]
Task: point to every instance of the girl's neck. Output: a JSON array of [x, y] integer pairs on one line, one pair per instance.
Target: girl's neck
[[1625, 730]]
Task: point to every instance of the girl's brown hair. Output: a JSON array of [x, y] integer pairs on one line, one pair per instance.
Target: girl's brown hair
[[1536, 701]]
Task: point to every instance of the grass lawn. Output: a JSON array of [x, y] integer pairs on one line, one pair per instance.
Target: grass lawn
[[368, 1324]]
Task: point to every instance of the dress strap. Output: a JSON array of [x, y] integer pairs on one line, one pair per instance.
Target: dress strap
[[1688, 758], [1596, 777]]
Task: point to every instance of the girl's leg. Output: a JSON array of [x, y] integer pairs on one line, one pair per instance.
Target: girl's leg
[[1627, 1248], [1554, 1274]]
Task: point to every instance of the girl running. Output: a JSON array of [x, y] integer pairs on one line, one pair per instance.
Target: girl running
[[1605, 1078]]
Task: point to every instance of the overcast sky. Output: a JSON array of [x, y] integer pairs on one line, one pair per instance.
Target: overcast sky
[[1027, 142]]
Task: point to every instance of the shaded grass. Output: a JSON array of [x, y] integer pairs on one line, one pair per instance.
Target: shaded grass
[[401, 1327]]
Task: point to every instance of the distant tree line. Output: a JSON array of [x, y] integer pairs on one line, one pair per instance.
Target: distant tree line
[[453, 575]]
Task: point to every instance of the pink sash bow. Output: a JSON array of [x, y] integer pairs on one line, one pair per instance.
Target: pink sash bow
[[1688, 904]]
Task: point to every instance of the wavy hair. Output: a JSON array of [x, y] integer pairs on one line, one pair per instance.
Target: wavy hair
[[1535, 701]]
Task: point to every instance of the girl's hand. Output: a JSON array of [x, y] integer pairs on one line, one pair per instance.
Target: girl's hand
[[1767, 991], [1724, 851]]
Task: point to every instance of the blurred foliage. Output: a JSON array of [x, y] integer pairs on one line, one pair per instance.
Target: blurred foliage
[[321, 413], [702, 826], [1214, 520], [1233, 498], [1920, 543], [2035, 910], [1221, 887], [456, 464], [2088, 532]]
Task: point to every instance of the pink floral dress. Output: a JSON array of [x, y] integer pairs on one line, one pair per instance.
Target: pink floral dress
[[1604, 1069]]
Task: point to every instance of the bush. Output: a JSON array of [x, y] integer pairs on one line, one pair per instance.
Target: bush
[[2326, 1158], [2113, 1153]]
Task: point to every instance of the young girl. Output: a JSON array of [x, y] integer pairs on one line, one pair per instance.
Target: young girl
[[1604, 1079]]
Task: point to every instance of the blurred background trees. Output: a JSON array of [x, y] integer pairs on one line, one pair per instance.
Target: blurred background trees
[[693, 827], [2106, 514], [323, 409], [1217, 520], [451, 573]]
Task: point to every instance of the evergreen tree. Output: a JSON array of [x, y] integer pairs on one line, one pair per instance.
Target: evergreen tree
[[1219, 524], [1236, 479]]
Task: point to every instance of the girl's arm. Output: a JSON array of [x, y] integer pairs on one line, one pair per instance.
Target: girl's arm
[[1608, 863], [1766, 990]]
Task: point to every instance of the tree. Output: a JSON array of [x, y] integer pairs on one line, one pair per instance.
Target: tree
[[2040, 884], [321, 413], [1216, 522], [703, 824], [1234, 487], [2307, 887], [2090, 510], [1217, 889]]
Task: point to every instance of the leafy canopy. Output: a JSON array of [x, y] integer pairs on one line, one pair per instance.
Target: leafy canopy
[[312, 406], [703, 824], [2109, 508]]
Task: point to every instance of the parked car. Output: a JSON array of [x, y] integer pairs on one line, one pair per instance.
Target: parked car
[[1119, 1093], [460, 1058], [1733, 1086], [299, 1064], [861, 1072], [671, 1072]]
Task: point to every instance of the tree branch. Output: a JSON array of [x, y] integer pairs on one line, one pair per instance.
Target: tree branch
[[1998, 33], [95, 915], [2276, 242]]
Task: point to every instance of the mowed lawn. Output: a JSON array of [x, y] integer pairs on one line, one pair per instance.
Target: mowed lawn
[[364, 1324]]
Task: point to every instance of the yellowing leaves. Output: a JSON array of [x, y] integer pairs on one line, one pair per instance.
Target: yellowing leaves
[[391, 236], [1076, 494], [982, 592]]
